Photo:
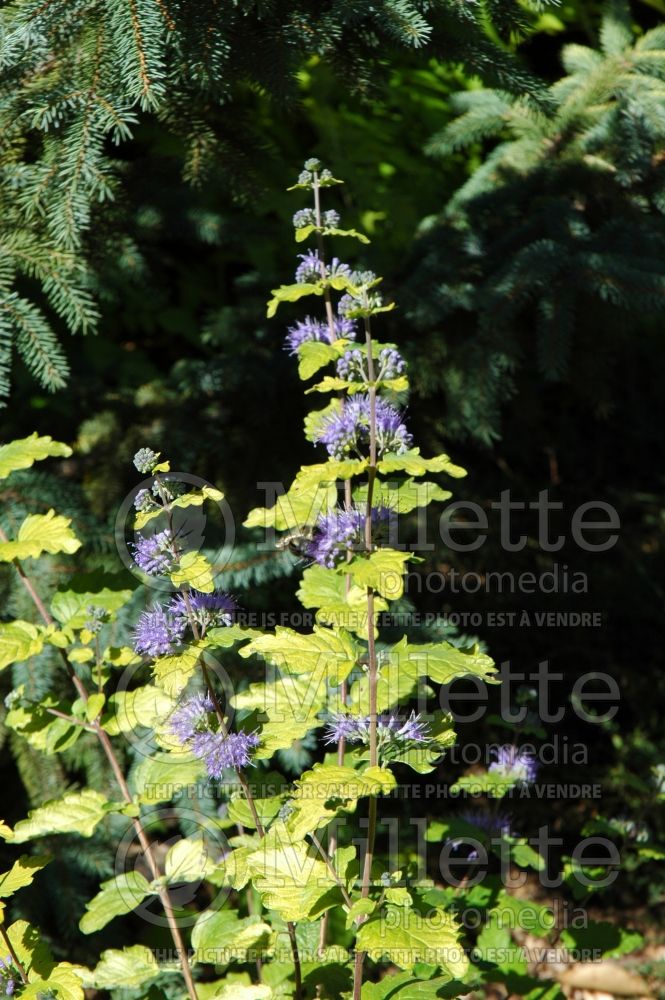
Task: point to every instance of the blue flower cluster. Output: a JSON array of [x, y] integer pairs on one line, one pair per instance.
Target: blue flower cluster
[[314, 329], [350, 366], [342, 531], [160, 630], [311, 268], [154, 554], [307, 217], [192, 725], [514, 762], [390, 728], [347, 430]]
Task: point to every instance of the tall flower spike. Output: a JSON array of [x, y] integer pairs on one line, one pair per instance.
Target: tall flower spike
[[158, 632]]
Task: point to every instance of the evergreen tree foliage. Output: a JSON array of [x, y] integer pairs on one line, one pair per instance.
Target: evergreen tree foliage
[[78, 78], [556, 241]]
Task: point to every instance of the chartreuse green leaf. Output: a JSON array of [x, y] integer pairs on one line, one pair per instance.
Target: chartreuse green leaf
[[147, 706], [382, 570], [70, 604], [172, 673], [221, 936], [18, 641], [313, 491], [406, 936], [287, 709], [188, 860], [75, 812], [414, 464], [323, 652], [158, 778], [22, 453], [299, 507], [404, 986], [442, 662], [127, 968], [233, 870], [40, 728], [22, 873], [329, 789], [194, 499], [289, 878], [269, 793], [31, 949], [118, 895], [291, 293], [62, 983], [329, 472], [313, 355], [194, 571], [306, 231], [402, 497], [41, 533], [338, 605]]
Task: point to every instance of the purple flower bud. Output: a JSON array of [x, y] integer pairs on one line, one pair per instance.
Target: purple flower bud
[[350, 367], [145, 460], [391, 363], [304, 217], [143, 500]]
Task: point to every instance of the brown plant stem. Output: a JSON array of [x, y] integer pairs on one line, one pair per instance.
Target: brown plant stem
[[14, 957]]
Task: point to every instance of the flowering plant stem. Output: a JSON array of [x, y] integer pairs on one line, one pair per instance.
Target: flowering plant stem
[[330, 317], [109, 752], [197, 633], [371, 654]]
